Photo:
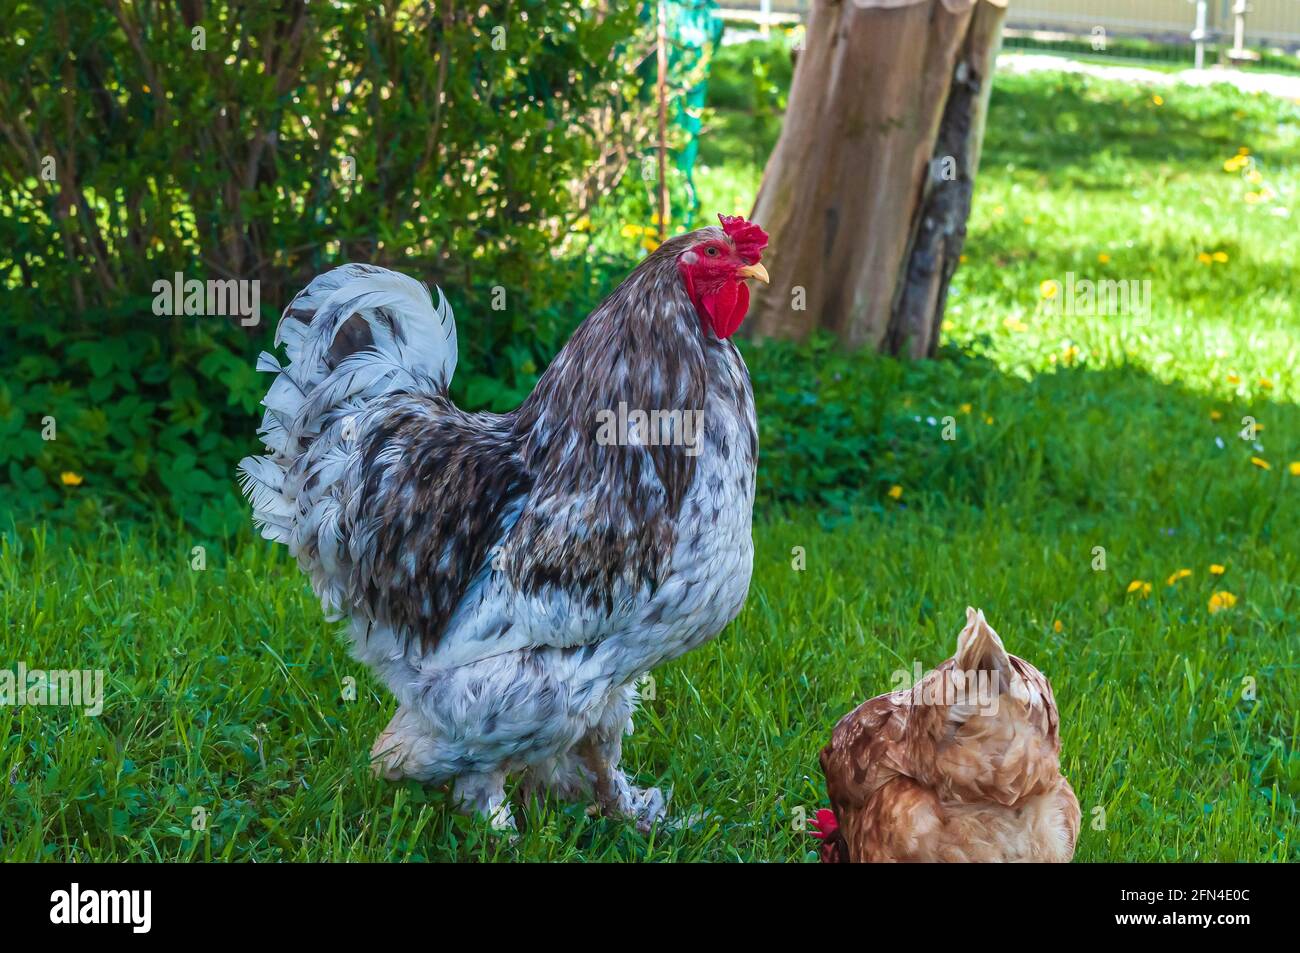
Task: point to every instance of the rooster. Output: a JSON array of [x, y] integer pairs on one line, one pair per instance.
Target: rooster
[[963, 766], [511, 577]]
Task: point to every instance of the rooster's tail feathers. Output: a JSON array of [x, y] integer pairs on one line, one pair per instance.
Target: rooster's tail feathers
[[376, 310], [351, 336]]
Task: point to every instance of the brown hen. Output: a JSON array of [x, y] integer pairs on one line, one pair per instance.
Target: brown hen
[[962, 767]]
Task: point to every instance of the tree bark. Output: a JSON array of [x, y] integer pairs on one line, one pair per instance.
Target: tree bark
[[867, 192]]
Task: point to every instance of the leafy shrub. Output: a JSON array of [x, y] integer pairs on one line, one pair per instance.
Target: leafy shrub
[[748, 89], [455, 142]]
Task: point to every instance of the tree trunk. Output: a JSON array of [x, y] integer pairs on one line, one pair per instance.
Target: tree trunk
[[867, 192]]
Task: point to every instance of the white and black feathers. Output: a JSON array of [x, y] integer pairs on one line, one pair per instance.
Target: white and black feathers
[[395, 501], [510, 576], [352, 336]]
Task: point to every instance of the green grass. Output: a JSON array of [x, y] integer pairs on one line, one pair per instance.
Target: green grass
[[225, 684]]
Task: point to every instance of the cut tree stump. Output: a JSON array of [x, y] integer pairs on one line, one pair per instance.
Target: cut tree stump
[[867, 192]]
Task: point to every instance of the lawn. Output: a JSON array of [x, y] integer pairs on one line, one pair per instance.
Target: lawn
[[1073, 431]]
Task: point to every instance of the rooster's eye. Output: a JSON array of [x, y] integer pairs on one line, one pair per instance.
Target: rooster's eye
[[711, 251]]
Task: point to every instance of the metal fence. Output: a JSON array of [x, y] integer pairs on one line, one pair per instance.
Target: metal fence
[[1231, 30], [1269, 23]]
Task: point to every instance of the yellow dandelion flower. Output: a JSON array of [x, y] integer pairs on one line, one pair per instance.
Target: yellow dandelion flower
[[1140, 587], [965, 408], [988, 419], [1216, 415], [71, 479], [582, 225], [1103, 258], [895, 492], [1048, 288], [1265, 383], [1261, 463], [1180, 574], [649, 244], [632, 231], [1158, 100], [1056, 626], [1217, 570], [1204, 258], [961, 259], [1220, 256], [1294, 468], [1069, 354], [1233, 164], [1222, 600], [1243, 151], [1232, 378]]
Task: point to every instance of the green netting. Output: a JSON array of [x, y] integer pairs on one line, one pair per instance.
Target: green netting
[[693, 31]]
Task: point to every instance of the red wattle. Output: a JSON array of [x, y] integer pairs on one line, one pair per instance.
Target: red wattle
[[727, 308]]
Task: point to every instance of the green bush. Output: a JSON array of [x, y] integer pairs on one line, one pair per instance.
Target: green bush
[[455, 142], [748, 88]]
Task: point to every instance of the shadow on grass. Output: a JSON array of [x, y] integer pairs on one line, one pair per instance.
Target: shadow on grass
[[1075, 445]]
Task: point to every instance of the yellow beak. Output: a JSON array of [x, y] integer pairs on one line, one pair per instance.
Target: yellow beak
[[754, 271]]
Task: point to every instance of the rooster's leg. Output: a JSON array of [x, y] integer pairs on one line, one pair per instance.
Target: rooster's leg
[[601, 750], [485, 793], [404, 749]]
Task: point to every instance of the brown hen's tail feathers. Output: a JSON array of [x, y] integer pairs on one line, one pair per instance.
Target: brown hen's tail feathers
[[979, 648]]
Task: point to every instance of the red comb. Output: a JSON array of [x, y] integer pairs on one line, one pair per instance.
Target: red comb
[[749, 239], [825, 824]]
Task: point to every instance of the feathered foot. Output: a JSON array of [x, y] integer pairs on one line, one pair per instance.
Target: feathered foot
[[485, 794], [645, 807], [600, 752], [404, 749], [615, 797]]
